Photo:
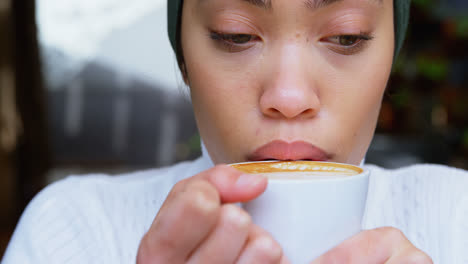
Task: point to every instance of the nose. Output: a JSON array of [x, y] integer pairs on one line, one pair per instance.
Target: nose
[[289, 92]]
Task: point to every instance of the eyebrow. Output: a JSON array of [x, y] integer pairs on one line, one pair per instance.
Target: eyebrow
[[316, 4], [264, 4], [310, 4]]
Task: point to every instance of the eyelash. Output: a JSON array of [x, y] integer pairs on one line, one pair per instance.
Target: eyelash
[[362, 40], [226, 40]]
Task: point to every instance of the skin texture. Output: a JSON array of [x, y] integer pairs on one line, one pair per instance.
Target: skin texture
[[199, 224], [291, 81]]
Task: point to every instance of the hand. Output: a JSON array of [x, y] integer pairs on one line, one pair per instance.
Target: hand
[[197, 223], [378, 246]]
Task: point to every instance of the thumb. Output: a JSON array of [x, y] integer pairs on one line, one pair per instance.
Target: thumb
[[234, 186]]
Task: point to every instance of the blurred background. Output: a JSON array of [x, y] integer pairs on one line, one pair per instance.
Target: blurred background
[[93, 86]]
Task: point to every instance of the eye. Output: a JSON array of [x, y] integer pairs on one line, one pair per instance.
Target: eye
[[348, 40], [234, 42], [239, 38], [345, 40], [348, 44]]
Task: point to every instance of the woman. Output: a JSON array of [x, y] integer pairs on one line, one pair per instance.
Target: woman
[[269, 79]]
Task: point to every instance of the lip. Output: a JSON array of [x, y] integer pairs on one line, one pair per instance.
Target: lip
[[282, 150]]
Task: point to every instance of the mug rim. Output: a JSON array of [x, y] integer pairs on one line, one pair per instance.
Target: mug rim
[[363, 174]]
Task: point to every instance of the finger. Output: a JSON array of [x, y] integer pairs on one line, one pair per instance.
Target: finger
[[410, 255], [191, 209], [227, 239], [182, 224], [234, 186], [261, 248], [370, 246]]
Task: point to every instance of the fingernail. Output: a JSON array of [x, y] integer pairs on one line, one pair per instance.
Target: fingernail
[[246, 180]]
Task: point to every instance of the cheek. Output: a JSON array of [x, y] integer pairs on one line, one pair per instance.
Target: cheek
[[211, 79], [219, 94], [223, 99], [360, 110], [351, 102], [357, 93]]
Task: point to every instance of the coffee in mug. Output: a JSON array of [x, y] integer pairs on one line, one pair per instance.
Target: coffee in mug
[[309, 207]]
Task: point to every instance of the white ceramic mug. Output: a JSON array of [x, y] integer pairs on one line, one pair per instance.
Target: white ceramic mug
[[308, 207]]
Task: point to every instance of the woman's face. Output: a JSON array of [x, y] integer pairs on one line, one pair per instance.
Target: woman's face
[[287, 79]]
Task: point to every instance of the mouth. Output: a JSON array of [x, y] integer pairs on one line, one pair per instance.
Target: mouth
[[282, 150]]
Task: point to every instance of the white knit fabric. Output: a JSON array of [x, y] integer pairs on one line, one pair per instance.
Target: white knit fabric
[[101, 219]]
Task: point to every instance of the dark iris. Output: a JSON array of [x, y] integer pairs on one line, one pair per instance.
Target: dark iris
[[348, 40], [240, 38]]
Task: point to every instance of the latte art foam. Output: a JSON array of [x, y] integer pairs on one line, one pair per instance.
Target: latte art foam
[[302, 170]]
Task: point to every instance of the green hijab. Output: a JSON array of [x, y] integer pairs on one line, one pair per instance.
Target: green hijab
[[401, 16]]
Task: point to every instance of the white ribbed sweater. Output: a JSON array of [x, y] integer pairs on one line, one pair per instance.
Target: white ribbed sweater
[[101, 219]]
